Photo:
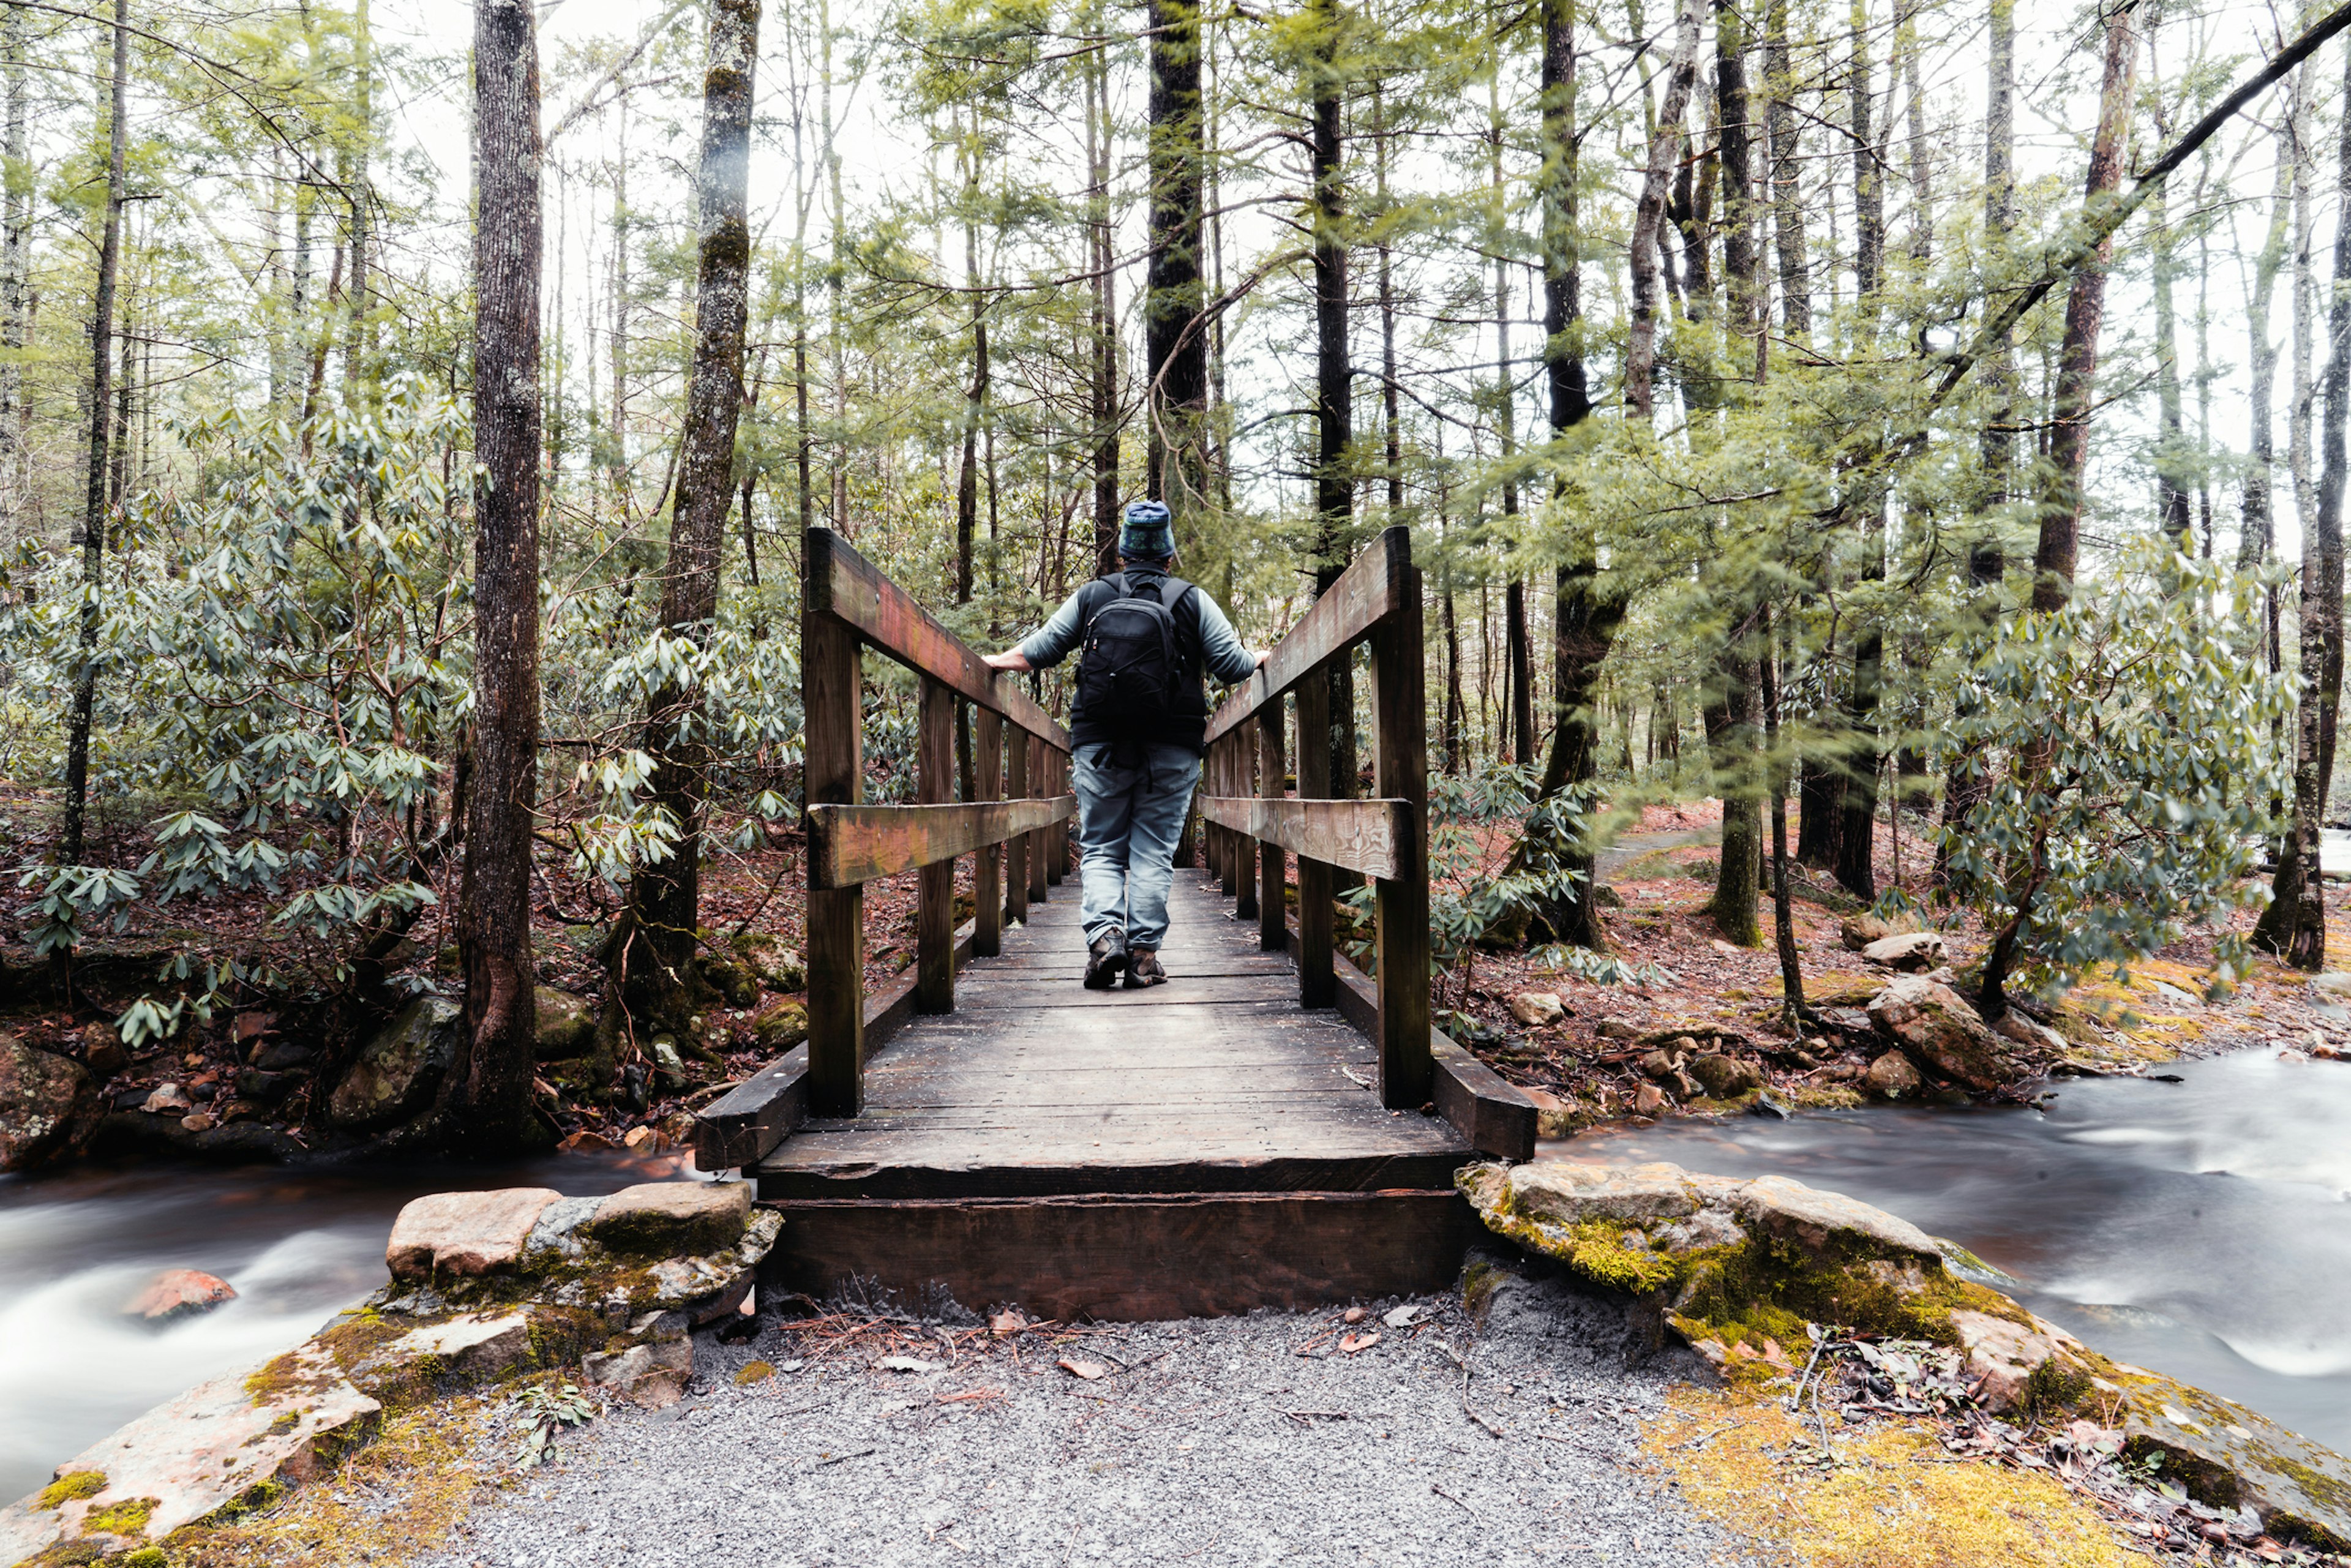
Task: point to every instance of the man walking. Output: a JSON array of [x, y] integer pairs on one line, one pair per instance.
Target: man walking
[[1137, 729]]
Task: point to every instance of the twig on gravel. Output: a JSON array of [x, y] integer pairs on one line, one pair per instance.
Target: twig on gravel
[[1307, 1418], [1702, 1436], [1454, 1500], [1491, 1430], [843, 1459]]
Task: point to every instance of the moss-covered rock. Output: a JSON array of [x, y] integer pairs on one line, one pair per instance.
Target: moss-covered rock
[[566, 1029], [1738, 1268]]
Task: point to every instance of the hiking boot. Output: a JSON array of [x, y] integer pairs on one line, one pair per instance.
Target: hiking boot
[[1143, 969], [1105, 959]]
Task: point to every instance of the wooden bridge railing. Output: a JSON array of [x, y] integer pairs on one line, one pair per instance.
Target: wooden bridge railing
[[1015, 800], [1376, 601]]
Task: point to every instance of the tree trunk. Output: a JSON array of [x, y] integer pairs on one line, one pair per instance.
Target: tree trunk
[[2295, 924], [1104, 323], [1787, 196], [93, 520], [1731, 737], [2086, 304], [976, 397], [1333, 374], [15, 256], [1746, 659], [1783, 916], [485, 1095], [651, 952], [1175, 405], [1987, 560], [1648, 214]]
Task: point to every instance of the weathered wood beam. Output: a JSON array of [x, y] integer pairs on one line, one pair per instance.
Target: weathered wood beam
[[844, 585], [852, 846], [1380, 584], [1364, 836], [1493, 1116], [743, 1127]]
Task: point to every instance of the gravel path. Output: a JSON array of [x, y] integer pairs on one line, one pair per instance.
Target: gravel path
[[1208, 1442]]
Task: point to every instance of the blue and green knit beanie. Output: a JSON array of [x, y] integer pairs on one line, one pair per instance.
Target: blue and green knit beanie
[[1148, 535]]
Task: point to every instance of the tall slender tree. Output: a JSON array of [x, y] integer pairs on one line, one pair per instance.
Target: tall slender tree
[[1176, 348], [71, 844], [486, 1094], [1586, 610], [2295, 924], [651, 952]]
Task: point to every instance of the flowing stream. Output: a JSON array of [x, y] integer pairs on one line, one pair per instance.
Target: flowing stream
[[298, 1245], [2200, 1229]]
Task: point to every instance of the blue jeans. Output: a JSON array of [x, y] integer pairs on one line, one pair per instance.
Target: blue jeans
[[1129, 817]]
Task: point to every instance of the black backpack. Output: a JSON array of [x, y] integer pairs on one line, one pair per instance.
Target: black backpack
[[1128, 673]]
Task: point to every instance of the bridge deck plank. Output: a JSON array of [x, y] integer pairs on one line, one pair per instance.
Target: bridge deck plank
[[1034, 1087]]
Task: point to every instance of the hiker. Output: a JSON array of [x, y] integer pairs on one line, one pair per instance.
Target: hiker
[[1136, 733]]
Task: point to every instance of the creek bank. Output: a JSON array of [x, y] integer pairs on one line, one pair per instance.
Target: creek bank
[[333, 1076], [1755, 1274], [485, 1288]]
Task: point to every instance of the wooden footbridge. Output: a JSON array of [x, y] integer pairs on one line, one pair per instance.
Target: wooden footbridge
[[1273, 1127]]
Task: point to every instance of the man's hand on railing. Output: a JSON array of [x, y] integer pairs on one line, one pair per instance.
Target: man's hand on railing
[[1262, 656], [1010, 659]]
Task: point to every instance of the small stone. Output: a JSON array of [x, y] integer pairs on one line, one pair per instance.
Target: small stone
[[564, 1029], [640, 1140], [284, 1056], [1725, 1077], [168, 1100], [1658, 1065], [101, 1050], [179, 1294], [1616, 1028], [469, 1233], [1915, 950], [780, 1026], [625, 1371], [2002, 1353], [586, 1143], [198, 1121], [672, 1217], [1892, 1077], [1649, 1100], [1536, 1009], [1858, 931]]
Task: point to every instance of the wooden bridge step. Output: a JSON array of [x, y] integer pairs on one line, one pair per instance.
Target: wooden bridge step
[[1124, 1259]]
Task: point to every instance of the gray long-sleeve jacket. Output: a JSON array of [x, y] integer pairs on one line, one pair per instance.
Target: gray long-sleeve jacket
[[1205, 642]]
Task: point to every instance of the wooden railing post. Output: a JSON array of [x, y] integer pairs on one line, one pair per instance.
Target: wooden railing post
[[934, 914], [1040, 770], [1400, 761], [1016, 848], [1228, 842], [1244, 766], [1318, 986], [833, 770], [1272, 926], [1056, 838], [988, 873]]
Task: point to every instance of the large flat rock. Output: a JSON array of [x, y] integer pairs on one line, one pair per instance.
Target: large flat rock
[[191, 1458], [466, 1233]]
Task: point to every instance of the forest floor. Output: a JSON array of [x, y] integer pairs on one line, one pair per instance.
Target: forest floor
[[1685, 976]]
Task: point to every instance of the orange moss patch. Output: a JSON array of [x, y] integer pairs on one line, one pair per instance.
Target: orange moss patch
[[1891, 1496]]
